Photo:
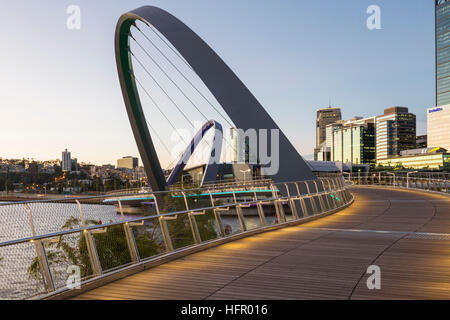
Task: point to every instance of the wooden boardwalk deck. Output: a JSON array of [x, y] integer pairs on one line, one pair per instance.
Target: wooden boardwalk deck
[[405, 233]]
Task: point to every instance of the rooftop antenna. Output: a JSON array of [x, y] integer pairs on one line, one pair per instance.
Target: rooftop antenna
[[329, 102]]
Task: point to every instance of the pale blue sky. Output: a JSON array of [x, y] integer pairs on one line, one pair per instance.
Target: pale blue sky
[[59, 88]]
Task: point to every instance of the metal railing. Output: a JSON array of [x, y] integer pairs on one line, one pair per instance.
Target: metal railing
[[43, 244], [208, 185], [436, 182]]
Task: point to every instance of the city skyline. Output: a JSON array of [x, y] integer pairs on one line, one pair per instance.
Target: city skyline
[[82, 84]]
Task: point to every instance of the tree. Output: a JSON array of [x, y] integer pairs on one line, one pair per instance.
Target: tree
[[180, 229], [112, 248]]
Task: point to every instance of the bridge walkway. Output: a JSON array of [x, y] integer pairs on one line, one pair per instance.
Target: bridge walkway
[[406, 233]]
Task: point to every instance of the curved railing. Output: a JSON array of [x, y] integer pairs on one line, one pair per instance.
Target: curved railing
[[47, 246], [207, 185], [411, 180]]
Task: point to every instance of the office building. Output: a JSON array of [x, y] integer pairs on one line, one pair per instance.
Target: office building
[[395, 132], [438, 127], [352, 141], [421, 142], [325, 117], [442, 37], [127, 163], [66, 163], [425, 158]]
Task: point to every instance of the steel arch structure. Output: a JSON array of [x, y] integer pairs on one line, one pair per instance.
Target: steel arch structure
[[212, 165], [237, 101]]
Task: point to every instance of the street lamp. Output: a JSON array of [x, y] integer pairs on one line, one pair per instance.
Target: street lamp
[[394, 177], [244, 172], [407, 177]]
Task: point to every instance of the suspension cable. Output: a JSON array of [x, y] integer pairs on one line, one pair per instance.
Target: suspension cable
[[181, 73], [177, 86], [165, 42], [159, 109], [162, 89], [168, 77]]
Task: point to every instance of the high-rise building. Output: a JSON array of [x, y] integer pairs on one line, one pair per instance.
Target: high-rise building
[[442, 34], [127, 163], [66, 163], [325, 117], [395, 132], [352, 141], [438, 122]]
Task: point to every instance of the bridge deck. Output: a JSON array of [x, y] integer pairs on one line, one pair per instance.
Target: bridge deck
[[323, 259]]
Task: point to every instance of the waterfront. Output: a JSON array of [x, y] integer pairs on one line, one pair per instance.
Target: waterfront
[[16, 276]]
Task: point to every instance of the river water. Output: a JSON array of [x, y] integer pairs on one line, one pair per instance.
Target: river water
[[16, 281]]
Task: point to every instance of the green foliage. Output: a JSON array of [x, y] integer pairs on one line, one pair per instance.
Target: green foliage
[[112, 248], [180, 229]]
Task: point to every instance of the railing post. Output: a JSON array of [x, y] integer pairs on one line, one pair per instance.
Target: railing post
[[302, 201], [164, 229], [217, 216], [332, 189], [278, 205], [260, 209], [326, 196], [336, 191], [90, 243], [343, 192], [239, 214], [322, 205], [134, 254], [194, 227], [291, 203], [41, 256], [311, 199]]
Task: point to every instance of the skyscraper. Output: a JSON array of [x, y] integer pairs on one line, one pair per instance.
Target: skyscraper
[[395, 132], [325, 117], [442, 52], [66, 163]]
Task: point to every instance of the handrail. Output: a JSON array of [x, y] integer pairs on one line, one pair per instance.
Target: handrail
[[320, 199], [409, 181], [204, 186], [68, 199]]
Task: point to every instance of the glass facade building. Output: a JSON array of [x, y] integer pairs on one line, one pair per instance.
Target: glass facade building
[[442, 52], [395, 132], [353, 141]]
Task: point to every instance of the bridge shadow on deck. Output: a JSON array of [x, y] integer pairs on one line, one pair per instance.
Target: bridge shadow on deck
[[406, 233]]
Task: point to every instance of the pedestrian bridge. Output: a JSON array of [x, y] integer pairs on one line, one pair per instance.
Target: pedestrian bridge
[[406, 233], [298, 240]]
